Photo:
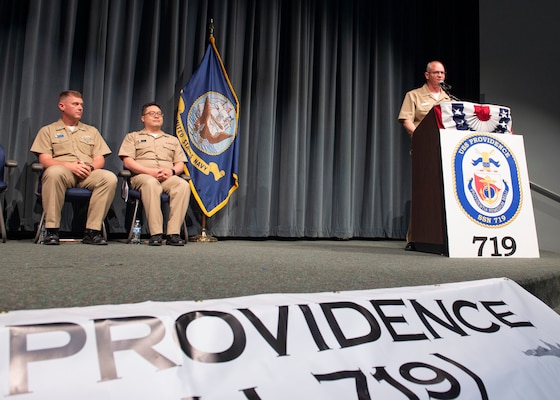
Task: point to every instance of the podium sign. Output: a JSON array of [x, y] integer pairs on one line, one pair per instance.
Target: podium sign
[[488, 205], [470, 185]]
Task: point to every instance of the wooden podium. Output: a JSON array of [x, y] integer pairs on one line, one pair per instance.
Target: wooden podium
[[470, 188], [427, 212]]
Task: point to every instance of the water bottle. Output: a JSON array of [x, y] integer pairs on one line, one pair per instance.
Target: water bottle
[[136, 231]]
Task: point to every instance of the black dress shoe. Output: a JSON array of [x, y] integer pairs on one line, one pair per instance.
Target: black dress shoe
[[94, 237], [51, 238], [410, 246], [174, 240], [155, 240]]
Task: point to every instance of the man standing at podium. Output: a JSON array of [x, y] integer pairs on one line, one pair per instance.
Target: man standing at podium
[[417, 104]]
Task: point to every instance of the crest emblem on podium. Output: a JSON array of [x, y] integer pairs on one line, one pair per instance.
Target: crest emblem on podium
[[486, 179]]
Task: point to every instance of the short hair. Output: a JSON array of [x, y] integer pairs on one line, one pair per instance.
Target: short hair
[[153, 103], [68, 93], [431, 62]]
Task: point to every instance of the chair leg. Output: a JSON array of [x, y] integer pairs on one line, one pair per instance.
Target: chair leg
[[39, 228], [136, 204], [2, 222], [185, 230]]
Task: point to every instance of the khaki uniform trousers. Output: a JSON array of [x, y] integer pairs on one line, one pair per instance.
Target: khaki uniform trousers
[[151, 189], [56, 179]]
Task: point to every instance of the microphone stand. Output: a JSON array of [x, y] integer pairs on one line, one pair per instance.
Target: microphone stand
[[445, 87], [451, 96]]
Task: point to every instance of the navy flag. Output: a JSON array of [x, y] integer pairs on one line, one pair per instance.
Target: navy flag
[[207, 123]]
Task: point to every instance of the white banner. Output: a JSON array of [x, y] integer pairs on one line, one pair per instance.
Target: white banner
[[486, 339], [488, 205]]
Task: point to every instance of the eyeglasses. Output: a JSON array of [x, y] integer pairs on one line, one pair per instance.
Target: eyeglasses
[[436, 72], [154, 113]]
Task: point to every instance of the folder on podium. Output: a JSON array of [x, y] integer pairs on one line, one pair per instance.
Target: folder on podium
[[470, 185]]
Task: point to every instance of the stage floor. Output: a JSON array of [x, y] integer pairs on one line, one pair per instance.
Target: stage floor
[[75, 275]]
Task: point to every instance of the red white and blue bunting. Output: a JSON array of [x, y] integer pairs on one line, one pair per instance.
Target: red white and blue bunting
[[466, 116]]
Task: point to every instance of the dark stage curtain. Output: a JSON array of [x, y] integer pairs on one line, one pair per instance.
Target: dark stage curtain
[[320, 85]]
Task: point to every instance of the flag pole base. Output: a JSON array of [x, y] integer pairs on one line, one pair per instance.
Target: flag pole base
[[203, 238]]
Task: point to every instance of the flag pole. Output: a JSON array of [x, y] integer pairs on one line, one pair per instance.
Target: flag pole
[[204, 237]]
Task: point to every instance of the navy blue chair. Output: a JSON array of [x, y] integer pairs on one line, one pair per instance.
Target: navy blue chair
[[3, 188], [132, 197], [75, 196]]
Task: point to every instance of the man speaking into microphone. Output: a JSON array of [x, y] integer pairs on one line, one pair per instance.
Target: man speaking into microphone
[[417, 104]]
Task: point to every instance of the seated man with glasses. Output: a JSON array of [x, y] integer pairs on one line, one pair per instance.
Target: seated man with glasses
[[156, 159]]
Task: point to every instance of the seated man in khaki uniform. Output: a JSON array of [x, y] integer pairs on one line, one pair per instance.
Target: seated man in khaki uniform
[[73, 155], [156, 160]]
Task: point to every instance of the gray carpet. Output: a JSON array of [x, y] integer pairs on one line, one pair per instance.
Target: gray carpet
[[74, 275]]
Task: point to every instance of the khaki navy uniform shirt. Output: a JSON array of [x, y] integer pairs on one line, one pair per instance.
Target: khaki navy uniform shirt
[[417, 104], [83, 144], [162, 151]]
